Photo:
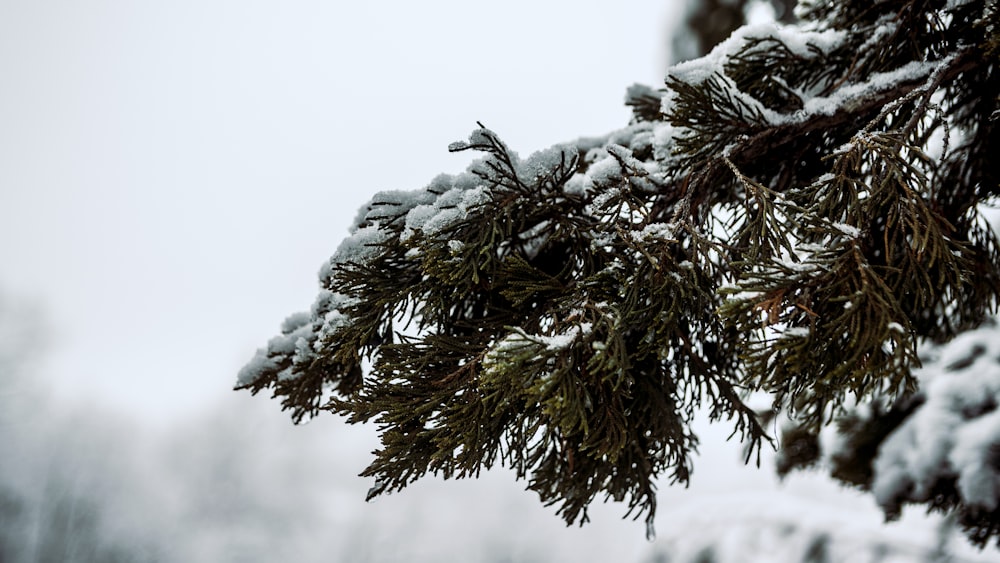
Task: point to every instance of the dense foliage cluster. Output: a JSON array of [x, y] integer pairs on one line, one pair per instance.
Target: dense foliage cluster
[[794, 213]]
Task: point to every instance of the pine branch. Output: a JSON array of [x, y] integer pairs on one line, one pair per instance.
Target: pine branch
[[780, 218]]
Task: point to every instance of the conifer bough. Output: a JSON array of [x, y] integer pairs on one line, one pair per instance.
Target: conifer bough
[[793, 214]]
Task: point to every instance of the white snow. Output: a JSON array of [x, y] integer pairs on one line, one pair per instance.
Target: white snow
[[544, 161], [361, 245], [605, 172], [636, 92], [975, 454], [850, 230], [851, 95], [802, 267], [578, 185], [565, 339], [956, 433], [481, 137], [295, 330], [896, 327], [519, 339], [655, 231], [802, 42], [333, 306], [294, 322], [796, 332], [797, 39], [625, 156], [448, 209], [602, 199]]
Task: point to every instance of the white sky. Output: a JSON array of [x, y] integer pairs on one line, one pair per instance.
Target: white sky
[[172, 174]]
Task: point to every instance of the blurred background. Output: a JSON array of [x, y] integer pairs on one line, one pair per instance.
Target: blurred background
[[172, 175]]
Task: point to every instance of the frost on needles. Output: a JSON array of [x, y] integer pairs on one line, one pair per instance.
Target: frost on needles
[[794, 215]]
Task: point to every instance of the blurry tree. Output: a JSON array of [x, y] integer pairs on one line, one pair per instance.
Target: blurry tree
[[798, 539], [58, 469], [709, 22], [21, 343], [796, 214], [20, 397]]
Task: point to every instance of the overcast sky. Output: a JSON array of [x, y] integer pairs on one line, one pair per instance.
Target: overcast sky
[[172, 174]]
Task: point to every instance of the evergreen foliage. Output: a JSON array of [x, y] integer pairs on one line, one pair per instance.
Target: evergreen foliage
[[796, 213]]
